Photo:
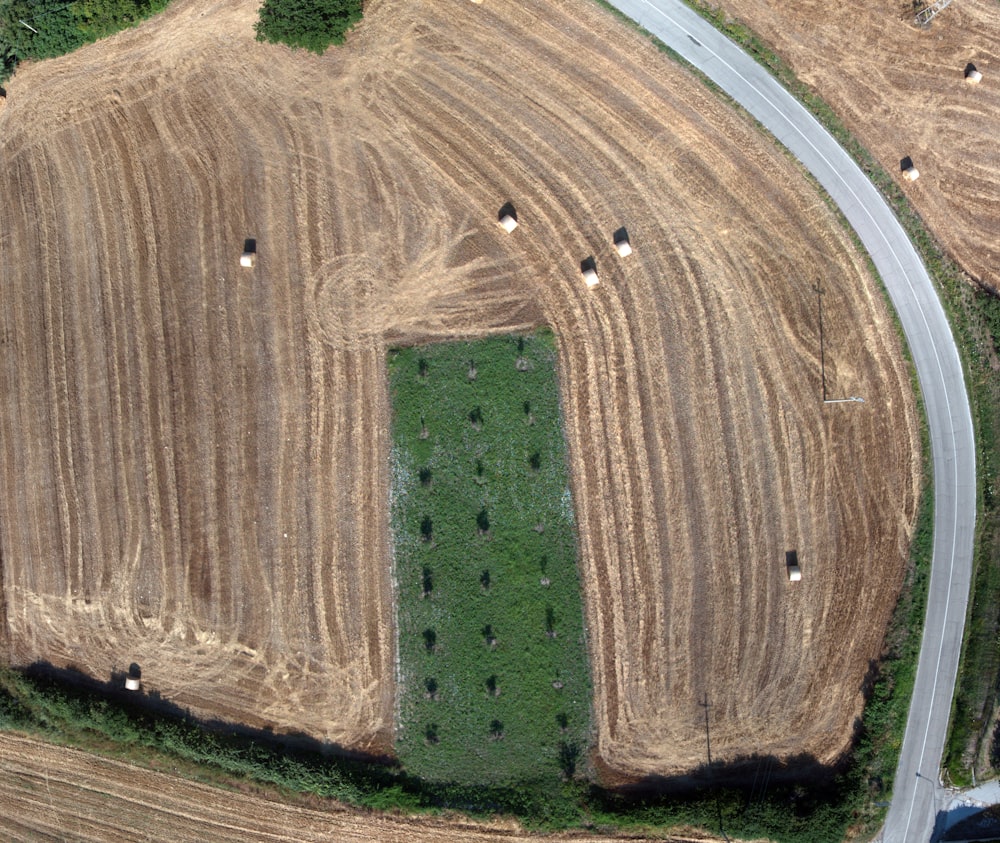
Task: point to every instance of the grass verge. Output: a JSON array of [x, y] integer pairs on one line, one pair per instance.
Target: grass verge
[[494, 679]]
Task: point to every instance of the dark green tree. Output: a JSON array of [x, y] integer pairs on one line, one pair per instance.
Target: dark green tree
[[311, 24]]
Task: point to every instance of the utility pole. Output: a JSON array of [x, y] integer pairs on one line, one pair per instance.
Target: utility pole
[[708, 740], [822, 357], [708, 747]]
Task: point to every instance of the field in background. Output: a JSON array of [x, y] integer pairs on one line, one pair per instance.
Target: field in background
[[900, 89], [494, 683]]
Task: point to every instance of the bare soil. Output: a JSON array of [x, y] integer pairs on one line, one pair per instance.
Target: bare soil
[[194, 457], [901, 90]]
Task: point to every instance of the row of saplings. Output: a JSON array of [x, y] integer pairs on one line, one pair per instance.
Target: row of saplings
[[491, 685]]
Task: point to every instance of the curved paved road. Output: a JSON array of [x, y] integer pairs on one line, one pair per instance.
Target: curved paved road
[[917, 795]]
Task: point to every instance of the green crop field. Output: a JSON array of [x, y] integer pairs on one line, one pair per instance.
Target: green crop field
[[494, 679]]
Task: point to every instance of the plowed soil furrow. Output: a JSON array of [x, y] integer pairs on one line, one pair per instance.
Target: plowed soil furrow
[[194, 455]]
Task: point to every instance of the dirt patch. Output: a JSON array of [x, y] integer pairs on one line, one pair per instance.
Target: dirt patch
[[901, 90], [195, 455]]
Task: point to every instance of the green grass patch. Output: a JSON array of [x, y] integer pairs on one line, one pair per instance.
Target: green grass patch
[[494, 681]]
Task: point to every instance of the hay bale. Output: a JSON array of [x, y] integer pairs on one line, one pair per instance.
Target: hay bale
[[249, 256]]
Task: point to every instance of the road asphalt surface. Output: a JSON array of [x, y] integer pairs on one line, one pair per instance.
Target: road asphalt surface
[[917, 796]]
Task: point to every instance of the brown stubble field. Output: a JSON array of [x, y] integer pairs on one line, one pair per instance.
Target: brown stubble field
[[900, 90], [194, 463]]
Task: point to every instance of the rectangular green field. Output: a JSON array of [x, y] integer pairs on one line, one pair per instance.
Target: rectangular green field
[[494, 681]]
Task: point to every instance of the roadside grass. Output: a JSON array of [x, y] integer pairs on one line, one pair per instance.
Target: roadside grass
[[494, 683], [973, 749]]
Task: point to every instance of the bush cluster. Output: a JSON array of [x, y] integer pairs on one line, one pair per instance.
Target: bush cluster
[[311, 24]]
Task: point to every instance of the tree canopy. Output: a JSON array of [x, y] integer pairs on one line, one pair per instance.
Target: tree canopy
[[39, 29], [312, 24]]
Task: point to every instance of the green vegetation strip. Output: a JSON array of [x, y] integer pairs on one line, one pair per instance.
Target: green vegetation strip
[[155, 734], [494, 677]]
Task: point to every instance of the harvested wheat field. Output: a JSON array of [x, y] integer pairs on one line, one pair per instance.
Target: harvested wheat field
[[66, 795], [195, 454], [901, 90]]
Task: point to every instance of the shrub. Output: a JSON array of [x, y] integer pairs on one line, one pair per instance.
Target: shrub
[[483, 521], [311, 24]]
